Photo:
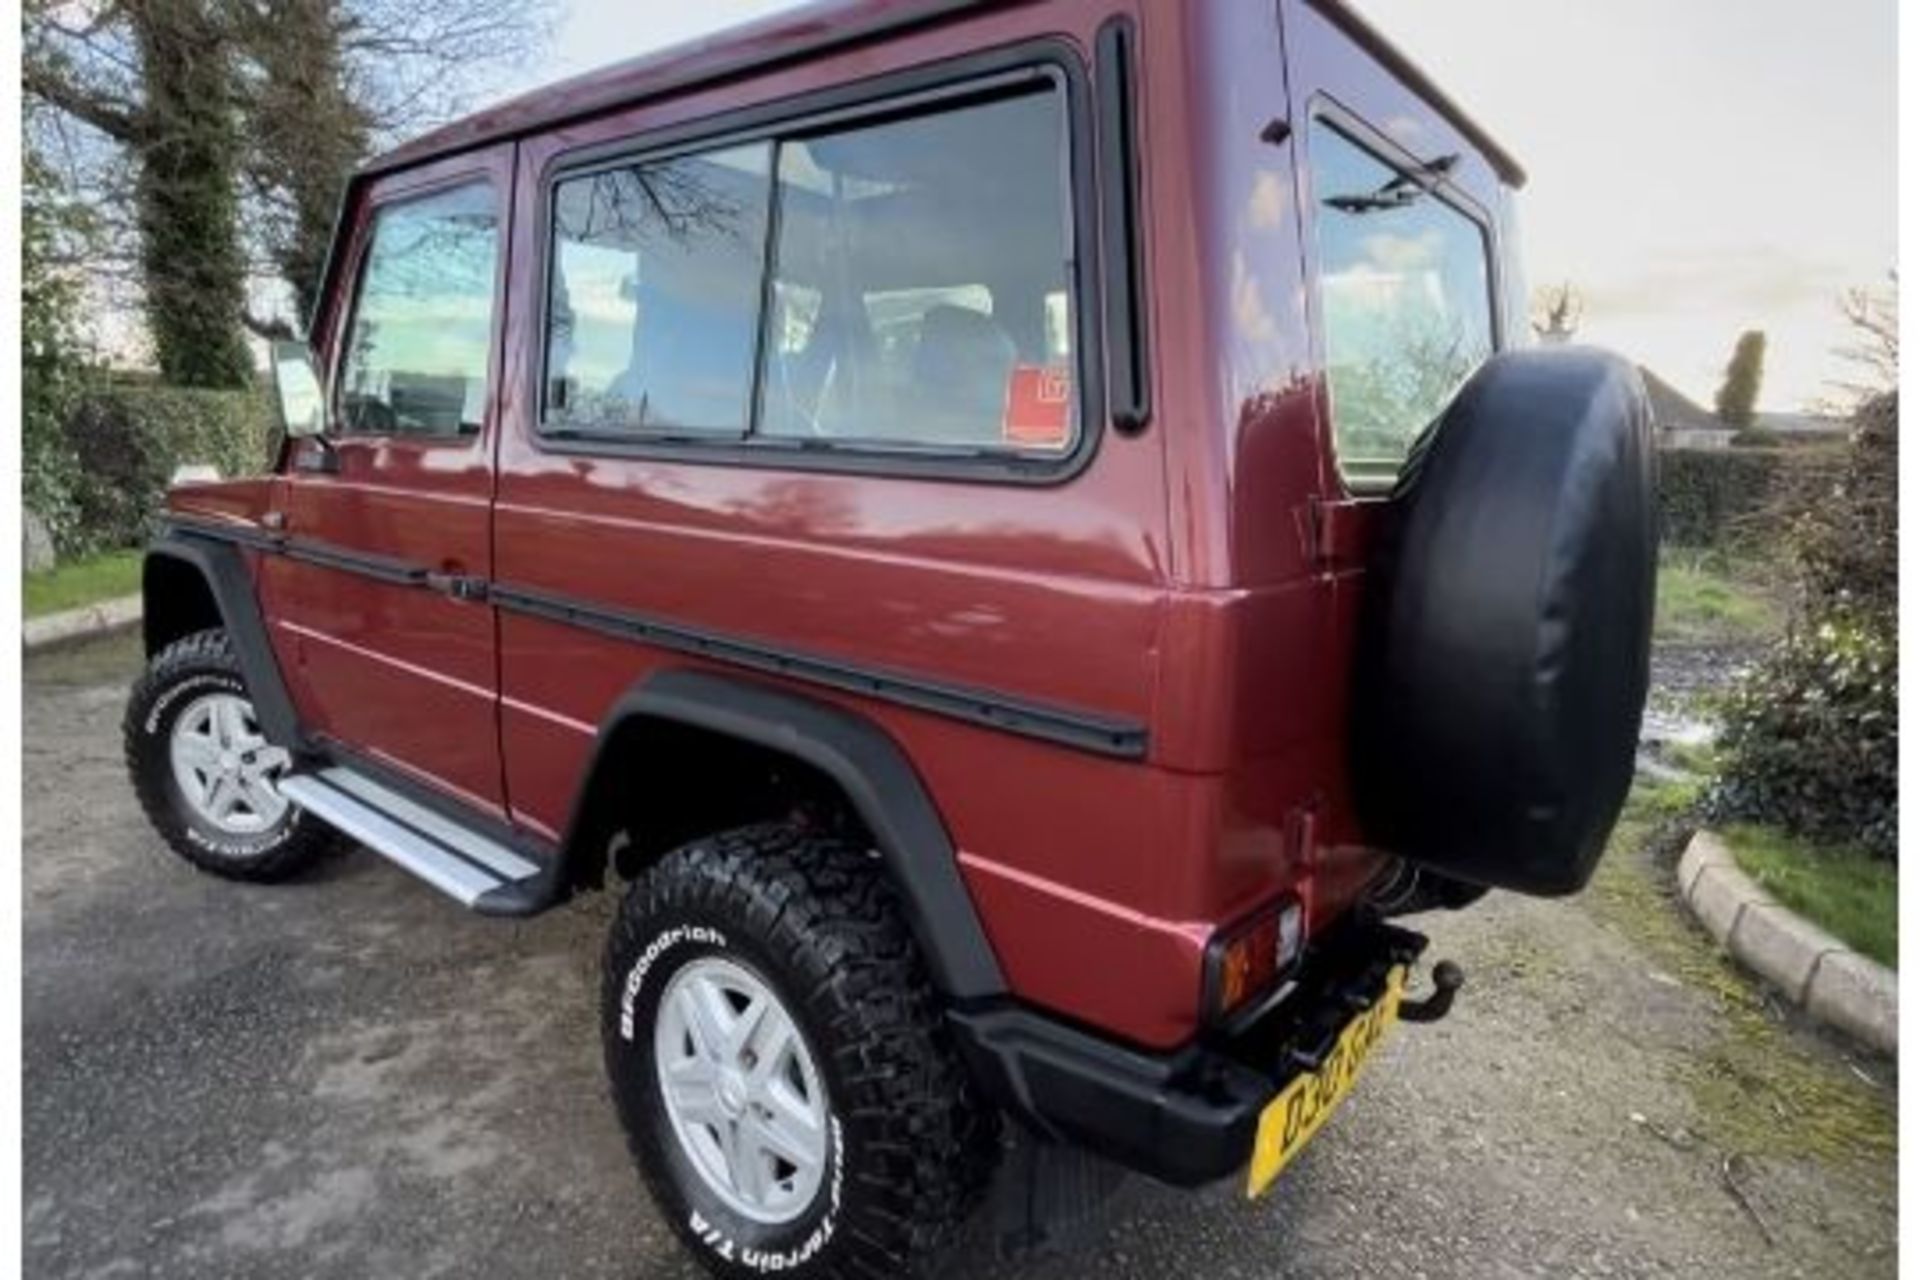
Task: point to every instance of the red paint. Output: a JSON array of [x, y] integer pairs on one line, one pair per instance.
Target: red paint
[[407, 675], [1200, 578]]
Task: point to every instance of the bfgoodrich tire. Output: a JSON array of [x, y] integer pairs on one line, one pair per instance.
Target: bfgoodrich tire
[[205, 773], [779, 1062]]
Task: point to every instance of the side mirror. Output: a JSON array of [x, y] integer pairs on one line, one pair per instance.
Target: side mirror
[[296, 391]]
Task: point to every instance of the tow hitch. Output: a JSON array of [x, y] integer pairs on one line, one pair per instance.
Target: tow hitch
[[1447, 979]]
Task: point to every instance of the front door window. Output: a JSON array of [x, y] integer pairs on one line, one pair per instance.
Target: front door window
[[416, 349]]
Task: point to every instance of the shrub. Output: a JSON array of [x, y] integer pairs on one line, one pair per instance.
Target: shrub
[[1846, 540], [1809, 737], [128, 438]]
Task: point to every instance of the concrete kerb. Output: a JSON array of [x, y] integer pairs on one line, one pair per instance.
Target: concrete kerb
[[80, 624], [1811, 967]]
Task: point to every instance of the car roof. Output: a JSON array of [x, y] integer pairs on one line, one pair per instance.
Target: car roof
[[809, 30], [1343, 15]]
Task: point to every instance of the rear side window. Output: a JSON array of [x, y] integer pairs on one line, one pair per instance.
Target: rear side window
[[1406, 303], [903, 286], [933, 251], [654, 294], [415, 357]]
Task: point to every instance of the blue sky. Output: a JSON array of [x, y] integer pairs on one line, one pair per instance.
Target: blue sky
[[1697, 168]]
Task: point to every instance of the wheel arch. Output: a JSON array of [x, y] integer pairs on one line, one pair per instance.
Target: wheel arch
[[190, 584], [176, 599], [865, 767]]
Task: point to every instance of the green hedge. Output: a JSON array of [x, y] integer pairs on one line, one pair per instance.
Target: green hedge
[[124, 440], [1711, 496], [1724, 497]]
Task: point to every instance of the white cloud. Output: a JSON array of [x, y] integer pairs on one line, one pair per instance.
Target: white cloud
[[1693, 173], [1404, 253]]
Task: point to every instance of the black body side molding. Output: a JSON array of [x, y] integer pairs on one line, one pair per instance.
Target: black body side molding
[[1073, 727], [219, 564], [876, 777]]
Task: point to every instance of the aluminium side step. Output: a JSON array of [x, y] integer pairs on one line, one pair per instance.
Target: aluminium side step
[[476, 870]]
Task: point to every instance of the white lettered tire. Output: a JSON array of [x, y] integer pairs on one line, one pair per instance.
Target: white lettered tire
[[778, 1060], [205, 772]]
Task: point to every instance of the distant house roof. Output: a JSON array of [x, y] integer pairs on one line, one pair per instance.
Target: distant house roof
[[1802, 423], [1673, 411]]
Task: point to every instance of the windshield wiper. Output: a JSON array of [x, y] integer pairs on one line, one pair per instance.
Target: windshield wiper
[[1399, 191]]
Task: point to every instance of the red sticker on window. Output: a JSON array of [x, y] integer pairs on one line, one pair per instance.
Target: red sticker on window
[[1039, 406]]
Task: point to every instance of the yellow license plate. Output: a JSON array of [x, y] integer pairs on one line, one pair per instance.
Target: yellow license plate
[[1289, 1122]]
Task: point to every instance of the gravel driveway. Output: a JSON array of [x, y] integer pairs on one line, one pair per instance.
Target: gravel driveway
[[348, 1076]]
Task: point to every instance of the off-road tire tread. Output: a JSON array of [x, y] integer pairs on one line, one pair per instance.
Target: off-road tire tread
[[211, 650], [932, 1140]]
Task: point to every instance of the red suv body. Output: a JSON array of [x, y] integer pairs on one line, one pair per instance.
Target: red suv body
[[922, 409]]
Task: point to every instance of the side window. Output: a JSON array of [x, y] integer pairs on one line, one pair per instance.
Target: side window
[[414, 360], [933, 260], [1405, 299], [654, 294], [904, 286]]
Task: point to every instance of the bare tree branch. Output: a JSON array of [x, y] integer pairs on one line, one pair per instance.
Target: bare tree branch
[[315, 86], [271, 328], [117, 119], [1560, 310]]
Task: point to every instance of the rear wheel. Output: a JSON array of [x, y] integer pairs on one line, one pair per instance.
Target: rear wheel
[[778, 1059], [204, 771]]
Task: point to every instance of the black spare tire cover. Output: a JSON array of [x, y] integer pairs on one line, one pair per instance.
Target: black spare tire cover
[[1502, 661]]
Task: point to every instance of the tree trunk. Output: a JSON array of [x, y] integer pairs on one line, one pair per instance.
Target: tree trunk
[[191, 256]]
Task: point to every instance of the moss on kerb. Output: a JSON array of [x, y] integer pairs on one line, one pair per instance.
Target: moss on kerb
[[1755, 1091], [1757, 1086]]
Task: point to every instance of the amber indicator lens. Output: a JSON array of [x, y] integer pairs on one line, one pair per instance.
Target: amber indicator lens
[[1252, 959], [1249, 963]]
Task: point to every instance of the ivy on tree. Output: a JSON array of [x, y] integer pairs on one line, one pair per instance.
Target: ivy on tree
[[216, 136]]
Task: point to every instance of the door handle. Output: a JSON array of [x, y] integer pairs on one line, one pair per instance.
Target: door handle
[[275, 520], [457, 586]]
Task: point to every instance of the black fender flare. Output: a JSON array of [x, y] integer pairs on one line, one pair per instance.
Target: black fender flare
[[230, 583], [878, 780]]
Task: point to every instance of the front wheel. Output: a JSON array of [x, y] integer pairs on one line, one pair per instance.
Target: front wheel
[[779, 1062], [205, 773]]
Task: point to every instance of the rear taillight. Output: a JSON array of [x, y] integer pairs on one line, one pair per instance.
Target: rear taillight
[[1246, 961]]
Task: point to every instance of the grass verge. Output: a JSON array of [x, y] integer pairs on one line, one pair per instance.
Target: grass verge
[[1756, 1086], [1842, 889], [81, 582], [1706, 599]]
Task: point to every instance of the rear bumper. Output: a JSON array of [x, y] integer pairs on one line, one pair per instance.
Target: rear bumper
[[1187, 1117]]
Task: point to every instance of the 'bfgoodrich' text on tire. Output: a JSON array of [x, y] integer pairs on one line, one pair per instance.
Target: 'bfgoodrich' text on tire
[[812, 920]]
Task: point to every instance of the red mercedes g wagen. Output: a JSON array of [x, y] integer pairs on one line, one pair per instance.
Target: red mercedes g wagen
[[1016, 532]]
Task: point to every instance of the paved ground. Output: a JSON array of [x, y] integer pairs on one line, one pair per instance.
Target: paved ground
[[349, 1077]]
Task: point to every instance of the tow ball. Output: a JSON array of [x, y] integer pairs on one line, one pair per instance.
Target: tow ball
[[1447, 979]]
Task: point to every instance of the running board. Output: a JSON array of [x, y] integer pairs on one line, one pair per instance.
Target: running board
[[474, 869]]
